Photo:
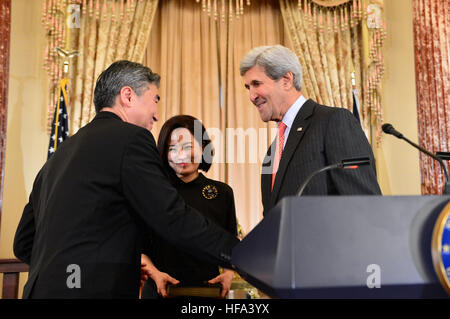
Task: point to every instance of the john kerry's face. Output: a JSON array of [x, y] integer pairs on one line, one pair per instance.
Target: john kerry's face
[[266, 94]]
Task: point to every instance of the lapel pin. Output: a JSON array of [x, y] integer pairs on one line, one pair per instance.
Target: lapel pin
[[299, 129]]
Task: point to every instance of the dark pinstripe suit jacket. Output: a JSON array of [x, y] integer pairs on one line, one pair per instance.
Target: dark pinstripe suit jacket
[[327, 135]]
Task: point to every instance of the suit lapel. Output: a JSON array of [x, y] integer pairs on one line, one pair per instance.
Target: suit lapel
[[298, 129]]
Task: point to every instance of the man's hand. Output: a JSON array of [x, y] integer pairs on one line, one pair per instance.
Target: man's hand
[[145, 269], [225, 279]]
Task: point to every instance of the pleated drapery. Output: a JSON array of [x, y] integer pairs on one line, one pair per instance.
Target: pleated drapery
[[326, 57], [198, 56], [108, 30], [198, 59], [339, 46], [119, 31], [431, 21]]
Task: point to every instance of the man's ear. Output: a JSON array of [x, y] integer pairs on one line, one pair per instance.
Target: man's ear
[[288, 80], [125, 96]]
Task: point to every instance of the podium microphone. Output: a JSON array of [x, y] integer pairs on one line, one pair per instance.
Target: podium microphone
[[389, 129], [351, 163]]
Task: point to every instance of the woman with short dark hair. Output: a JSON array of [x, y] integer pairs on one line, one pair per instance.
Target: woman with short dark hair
[[185, 148]]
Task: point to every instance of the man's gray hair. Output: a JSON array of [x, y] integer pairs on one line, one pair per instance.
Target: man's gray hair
[[276, 60], [119, 74]]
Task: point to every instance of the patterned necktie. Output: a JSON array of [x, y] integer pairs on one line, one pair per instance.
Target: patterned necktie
[[278, 151]]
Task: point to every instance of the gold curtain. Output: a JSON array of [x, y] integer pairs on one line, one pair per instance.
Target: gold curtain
[[53, 21], [330, 3], [108, 30], [198, 59], [325, 56], [431, 22], [185, 54], [328, 53], [342, 26], [261, 24], [333, 42]]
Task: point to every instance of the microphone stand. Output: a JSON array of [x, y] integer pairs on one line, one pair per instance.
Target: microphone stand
[[446, 190], [352, 163], [323, 169]]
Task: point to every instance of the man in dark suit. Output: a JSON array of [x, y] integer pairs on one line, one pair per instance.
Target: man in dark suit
[[310, 136], [100, 192]]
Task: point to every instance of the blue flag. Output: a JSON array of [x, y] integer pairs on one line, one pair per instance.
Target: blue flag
[[60, 123]]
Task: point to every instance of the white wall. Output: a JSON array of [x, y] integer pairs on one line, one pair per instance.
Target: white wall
[[26, 138], [397, 161]]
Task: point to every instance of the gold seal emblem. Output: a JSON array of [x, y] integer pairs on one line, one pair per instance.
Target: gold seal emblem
[[210, 192], [440, 247]]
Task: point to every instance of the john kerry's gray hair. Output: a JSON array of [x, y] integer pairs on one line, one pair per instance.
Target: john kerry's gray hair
[[276, 60]]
